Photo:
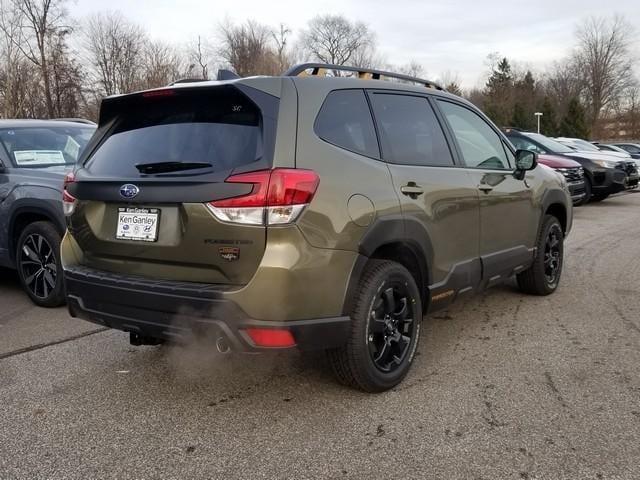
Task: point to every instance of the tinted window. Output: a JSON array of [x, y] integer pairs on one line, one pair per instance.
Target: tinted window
[[548, 144], [220, 127], [409, 131], [630, 148], [345, 121], [480, 144], [45, 146], [522, 143]]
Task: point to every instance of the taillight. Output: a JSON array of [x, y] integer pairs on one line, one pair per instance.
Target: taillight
[[273, 338], [278, 197], [68, 200]]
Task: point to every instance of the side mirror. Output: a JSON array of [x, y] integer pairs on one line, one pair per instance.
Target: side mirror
[[525, 160]]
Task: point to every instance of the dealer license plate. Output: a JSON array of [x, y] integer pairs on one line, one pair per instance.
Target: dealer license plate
[[139, 224]]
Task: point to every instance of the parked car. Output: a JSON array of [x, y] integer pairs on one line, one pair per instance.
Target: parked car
[[603, 175], [632, 149], [571, 171], [35, 155], [303, 211], [580, 145], [612, 148]]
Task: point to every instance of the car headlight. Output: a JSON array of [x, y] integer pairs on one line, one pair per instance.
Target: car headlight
[[606, 163]]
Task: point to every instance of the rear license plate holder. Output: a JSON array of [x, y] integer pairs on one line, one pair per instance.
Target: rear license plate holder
[[137, 224]]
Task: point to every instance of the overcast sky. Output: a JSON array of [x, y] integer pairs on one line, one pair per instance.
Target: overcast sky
[[442, 36]]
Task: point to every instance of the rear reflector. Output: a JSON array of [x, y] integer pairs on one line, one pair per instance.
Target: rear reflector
[[68, 200], [267, 337], [277, 197]]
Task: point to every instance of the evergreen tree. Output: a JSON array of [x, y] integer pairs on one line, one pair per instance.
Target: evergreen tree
[[454, 88], [548, 122], [574, 123], [498, 93], [520, 118], [524, 102]]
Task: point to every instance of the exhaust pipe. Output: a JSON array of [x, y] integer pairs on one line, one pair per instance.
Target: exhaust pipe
[[222, 345]]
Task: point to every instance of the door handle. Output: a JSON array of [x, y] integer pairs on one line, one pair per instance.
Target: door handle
[[412, 190], [485, 188]]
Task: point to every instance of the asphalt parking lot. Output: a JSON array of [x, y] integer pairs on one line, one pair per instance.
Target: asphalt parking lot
[[505, 386]]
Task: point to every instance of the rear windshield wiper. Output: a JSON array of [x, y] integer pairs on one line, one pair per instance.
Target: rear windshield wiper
[[166, 167]]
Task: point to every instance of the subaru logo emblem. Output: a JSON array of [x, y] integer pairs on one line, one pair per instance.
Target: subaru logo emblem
[[128, 190]]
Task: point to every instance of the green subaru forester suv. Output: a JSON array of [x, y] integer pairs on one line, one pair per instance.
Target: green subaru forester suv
[[328, 208]]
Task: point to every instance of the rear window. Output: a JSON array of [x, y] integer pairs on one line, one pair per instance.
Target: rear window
[[345, 121], [219, 128], [39, 147]]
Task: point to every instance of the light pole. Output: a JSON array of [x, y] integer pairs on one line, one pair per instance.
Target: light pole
[[538, 115]]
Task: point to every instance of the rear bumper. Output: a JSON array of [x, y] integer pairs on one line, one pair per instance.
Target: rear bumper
[[176, 311]]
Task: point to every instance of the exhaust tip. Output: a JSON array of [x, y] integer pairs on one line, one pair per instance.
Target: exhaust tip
[[222, 345]]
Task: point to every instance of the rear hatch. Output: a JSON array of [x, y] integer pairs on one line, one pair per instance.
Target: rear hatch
[[160, 157]]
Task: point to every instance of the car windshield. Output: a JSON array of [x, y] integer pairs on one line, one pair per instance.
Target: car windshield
[[45, 146], [549, 144], [584, 145]]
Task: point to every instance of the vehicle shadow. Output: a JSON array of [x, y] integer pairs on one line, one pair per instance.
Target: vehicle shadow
[[9, 279]]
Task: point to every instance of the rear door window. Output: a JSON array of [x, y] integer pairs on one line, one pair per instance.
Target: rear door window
[[345, 121], [410, 133], [217, 129]]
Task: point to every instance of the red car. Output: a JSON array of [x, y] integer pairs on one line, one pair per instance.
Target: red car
[[573, 173]]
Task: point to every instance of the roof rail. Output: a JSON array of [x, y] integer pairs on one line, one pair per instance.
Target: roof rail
[[320, 69]]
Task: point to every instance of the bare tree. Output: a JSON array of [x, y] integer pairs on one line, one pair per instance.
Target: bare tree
[[197, 55], [334, 39], [66, 79], [369, 57], [603, 55], [44, 23], [115, 48], [247, 49], [565, 79], [413, 69], [11, 59], [281, 38], [161, 64]]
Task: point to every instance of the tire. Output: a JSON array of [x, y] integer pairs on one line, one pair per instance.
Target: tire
[[38, 264], [543, 276], [382, 345]]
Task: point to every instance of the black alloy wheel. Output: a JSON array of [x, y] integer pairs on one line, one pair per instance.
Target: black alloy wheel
[[385, 329], [543, 276], [553, 255], [390, 327], [38, 263]]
